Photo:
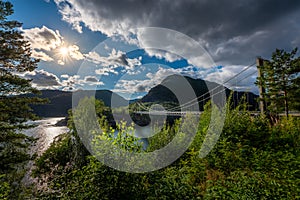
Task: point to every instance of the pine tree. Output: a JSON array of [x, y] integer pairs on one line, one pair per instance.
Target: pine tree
[[15, 58], [280, 78]]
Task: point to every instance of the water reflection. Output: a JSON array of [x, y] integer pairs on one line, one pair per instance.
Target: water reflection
[[45, 131]]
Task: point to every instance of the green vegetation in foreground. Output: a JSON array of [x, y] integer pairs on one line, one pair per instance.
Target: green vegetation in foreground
[[251, 160]]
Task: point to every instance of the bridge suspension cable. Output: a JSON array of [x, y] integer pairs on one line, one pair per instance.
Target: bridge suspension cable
[[207, 98], [221, 85], [196, 100], [142, 106]]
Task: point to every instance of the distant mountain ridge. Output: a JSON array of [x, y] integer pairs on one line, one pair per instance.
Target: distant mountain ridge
[[160, 93], [61, 101]]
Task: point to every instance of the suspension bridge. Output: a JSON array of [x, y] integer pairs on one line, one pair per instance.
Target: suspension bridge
[[187, 107]]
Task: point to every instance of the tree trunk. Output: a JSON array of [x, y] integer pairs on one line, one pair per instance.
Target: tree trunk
[[286, 105]]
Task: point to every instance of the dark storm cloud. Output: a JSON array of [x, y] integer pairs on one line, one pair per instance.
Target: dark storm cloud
[[194, 17], [141, 88], [43, 78], [226, 28], [91, 79]]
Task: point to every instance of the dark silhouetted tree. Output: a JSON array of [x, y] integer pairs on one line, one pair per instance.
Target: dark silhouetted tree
[[280, 78], [15, 58]]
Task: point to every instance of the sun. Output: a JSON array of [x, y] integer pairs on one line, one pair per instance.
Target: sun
[[64, 52]]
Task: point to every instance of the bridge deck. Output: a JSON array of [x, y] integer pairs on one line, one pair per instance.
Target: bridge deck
[[169, 113], [177, 113]]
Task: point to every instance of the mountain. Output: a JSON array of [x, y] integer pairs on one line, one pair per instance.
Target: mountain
[[61, 101], [177, 84]]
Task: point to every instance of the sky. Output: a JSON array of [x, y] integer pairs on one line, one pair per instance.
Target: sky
[[130, 46]]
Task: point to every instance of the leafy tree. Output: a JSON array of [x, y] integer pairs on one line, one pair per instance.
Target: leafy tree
[[15, 57], [280, 78]]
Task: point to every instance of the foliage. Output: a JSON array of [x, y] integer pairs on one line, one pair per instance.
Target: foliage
[[4, 188], [251, 160], [15, 58], [251, 163], [163, 137], [280, 78]]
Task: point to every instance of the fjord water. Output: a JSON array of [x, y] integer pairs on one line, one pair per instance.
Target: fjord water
[[45, 130], [45, 133]]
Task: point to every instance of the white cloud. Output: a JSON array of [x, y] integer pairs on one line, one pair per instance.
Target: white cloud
[[144, 85], [74, 52], [75, 82], [42, 41], [93, 57], [41, 55], [65, 76], [161, 54], [132, 86], [105, 71], [172, 45], [109, 64], [76, 14], [60, 62], [70, 15], [115, 58], [71, 81], [42, 80], [243, 82], [92, 80], [43, 38], [162, 73], [46, 44]]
